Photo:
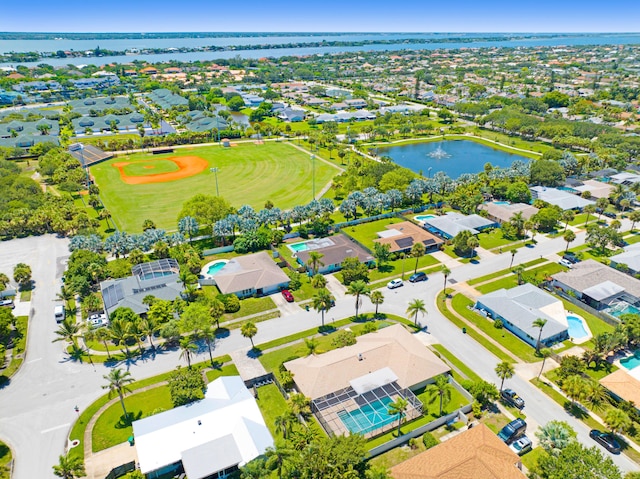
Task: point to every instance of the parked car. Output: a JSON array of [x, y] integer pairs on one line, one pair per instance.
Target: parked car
[[571, 258], [566, 263], [419, 276], [511, 397], [8, 303], [287, 295], [521, 446], [513, 430], [610, 214], [606, 440], [99, 322], [394, 283]]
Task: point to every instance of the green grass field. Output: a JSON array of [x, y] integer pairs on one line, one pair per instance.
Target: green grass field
[[249, 174]]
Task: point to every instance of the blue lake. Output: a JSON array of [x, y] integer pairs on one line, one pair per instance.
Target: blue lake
[[465, 157]]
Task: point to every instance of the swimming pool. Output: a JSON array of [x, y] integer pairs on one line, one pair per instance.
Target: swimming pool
[[501, 203], [628, 309], [369, 417], [297, 247], [215, 267], [631, 362], [423, 217], [576, 328]]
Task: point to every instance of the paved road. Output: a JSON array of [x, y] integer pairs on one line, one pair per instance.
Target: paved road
[[37, 407]]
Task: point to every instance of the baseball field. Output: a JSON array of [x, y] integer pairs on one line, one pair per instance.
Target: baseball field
[[146, 186]]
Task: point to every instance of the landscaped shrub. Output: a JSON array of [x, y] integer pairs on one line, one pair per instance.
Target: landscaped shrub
[[498, 324], [343, 338], [429, 440], [231, 303], [369, 328]]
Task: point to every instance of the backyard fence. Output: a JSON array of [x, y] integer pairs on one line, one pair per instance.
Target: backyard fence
[[222, 249], [603, 316], [121, 470]]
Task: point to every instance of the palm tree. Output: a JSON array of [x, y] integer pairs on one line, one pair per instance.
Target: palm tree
[[4, 281], [69, 467], [120, 333], [67, 330], [445, 272], [312, 346], [358, 288], [318, 281], [278, 457], [567, 216], [617, 420], [209, 335], [442, 388], [539, 323], [473, 243], [299, 404], [283, 423], [216, 310], [102, 334], [118, 381], [504, 370], [416, 307], [601, 204], [398, 408], [575, 387], [249, 330], [376, 298], [589, 210], [417, 250], [519, 270], [322, 302], [544, 354], [555, 436], [187, 348], [596, 396], [569, 237], [65, 294], [315, 261], [148, 327], [513, 255]]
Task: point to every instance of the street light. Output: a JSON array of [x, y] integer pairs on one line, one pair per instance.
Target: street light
[[313, 175], [429, 172], [215, 170]]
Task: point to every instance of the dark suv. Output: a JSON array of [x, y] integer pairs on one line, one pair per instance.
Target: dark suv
[[511, 397], [419, 276], [513, 430]]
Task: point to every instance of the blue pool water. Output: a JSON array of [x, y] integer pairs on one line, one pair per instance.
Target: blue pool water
[[632, 361], [501, 203], [297, 247], [629, 309], [424, 217], [576, 328], [369, 417], [215, 267]]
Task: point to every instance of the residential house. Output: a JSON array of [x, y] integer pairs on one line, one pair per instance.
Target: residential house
[[564, 199], [402, 236], [630, 259], [334, 251], [253, 274], [210, 438], [450, 224], [624, 385], [502, 212], [476, 453], [159, 278], [517, 308]]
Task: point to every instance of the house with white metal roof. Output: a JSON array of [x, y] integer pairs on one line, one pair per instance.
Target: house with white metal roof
[[630, 258], [449, 225], [212, 437], [519, 307], [561, 198]]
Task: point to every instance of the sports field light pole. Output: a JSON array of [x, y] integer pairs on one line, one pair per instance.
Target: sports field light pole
[[313, 175], [215, 170]]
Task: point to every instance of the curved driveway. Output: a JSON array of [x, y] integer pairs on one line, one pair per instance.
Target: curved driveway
[[37, 407]]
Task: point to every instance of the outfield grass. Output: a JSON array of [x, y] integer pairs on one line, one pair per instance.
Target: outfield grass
[[248, 174]]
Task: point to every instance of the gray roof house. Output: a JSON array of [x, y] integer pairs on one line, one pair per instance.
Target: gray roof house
[[599, 286], [159, 278], [253, 274], [630, 257], [519, 307], [452, 223], [561, 198], [334, 250], [503, 213]]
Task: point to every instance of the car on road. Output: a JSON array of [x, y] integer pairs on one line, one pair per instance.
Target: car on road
[[513, 431], [566, 263], [419, 276], [394, 283], [521, 446], [287, 295], [511, 397], [606, 440]]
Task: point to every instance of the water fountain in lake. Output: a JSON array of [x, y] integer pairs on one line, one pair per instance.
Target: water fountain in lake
[[439, 154]]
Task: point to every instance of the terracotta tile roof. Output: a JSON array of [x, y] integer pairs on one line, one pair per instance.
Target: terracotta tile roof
[[623, 385], [474, 454]]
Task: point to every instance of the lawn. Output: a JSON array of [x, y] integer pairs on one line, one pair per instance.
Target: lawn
[[493, 239], [537, 274], [504, 272], [248, 174], [506, 282], [111, 429], [365, 233], [272, 405], [509, 341], [459, 365], [5, 459], [395, 268]]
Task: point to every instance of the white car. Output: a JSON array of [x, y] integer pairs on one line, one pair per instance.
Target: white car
[[394, 283], [566, 263], [98, 320]]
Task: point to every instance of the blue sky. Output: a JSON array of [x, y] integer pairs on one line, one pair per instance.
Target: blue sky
[[321, 15]]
